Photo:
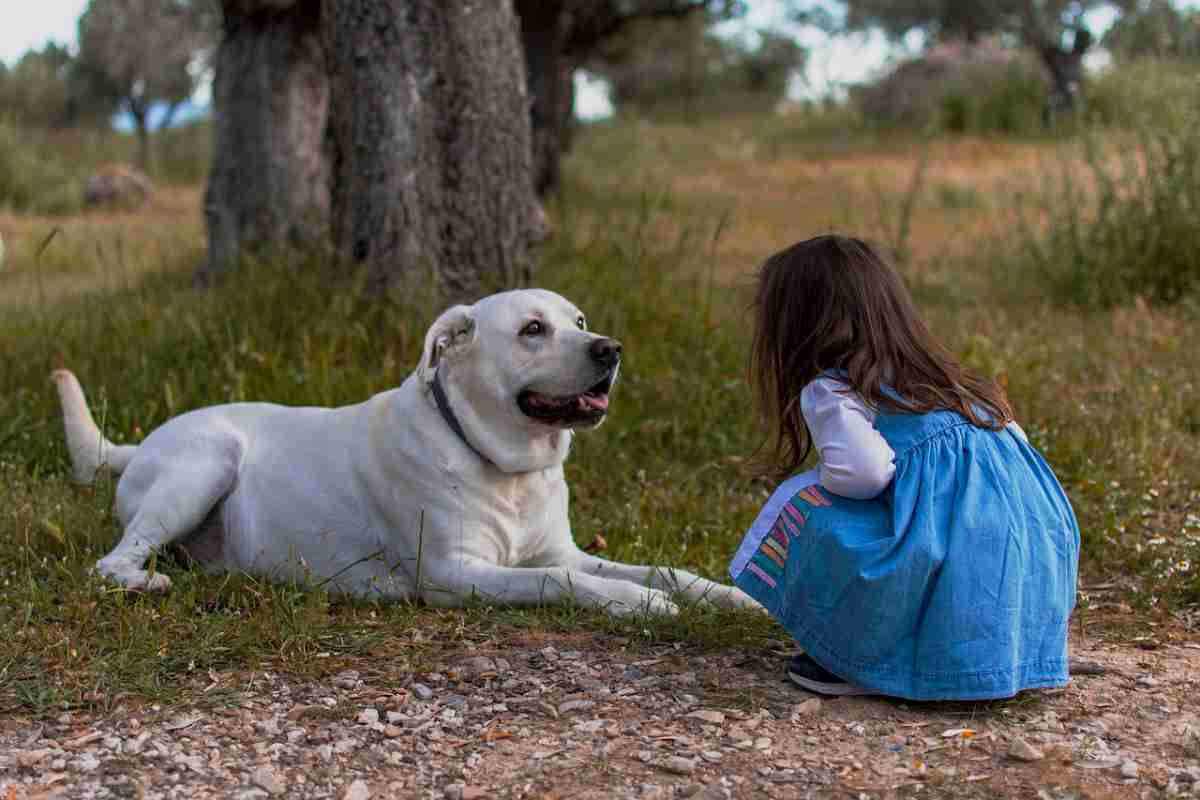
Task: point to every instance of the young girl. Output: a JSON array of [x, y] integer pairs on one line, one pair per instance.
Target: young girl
[[932, 554]]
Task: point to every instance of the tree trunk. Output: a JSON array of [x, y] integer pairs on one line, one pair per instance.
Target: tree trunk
[[1066, 74], [551, 71], [143, 136], [268, 191], [168, 118], [431, 143]]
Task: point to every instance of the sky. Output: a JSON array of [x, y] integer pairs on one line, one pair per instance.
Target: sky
[[833, 62], [29, 26]]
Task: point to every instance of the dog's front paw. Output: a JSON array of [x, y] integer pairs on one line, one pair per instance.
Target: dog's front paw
[[650, 601], [734, 597]]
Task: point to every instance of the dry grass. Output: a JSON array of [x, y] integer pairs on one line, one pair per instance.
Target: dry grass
[[51, 259]]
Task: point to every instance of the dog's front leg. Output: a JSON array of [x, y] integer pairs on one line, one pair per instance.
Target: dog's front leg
[[451, 582], [676, 582]]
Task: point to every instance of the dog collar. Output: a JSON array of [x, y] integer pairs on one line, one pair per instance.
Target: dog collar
[[443, 404]]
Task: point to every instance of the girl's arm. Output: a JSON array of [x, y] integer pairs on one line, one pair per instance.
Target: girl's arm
[[856, 461]]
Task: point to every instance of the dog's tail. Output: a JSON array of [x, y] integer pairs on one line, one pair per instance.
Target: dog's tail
[[90, 451]]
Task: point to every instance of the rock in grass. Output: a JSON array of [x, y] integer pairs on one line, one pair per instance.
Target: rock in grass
[[1022, 750]]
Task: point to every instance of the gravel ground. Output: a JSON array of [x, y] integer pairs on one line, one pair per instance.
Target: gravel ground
[[589, 716]]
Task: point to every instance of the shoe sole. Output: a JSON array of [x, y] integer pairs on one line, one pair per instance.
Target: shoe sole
[[828, 689]]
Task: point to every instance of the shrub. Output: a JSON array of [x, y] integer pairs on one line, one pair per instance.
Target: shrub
[[1141, 93], [1130, 227], [962, 89], [32, 184]]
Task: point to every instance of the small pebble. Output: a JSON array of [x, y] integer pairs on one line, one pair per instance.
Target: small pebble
[[1129, 769], [422, 691], [679, 765], [575, 705], [1022, 750], [265, 778]]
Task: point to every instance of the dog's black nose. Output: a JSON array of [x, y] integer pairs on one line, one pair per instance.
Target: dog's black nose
[[606, 352]]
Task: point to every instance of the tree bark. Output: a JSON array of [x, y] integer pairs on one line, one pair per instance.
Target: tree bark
[[268, 190], [545, 30], [1066, 69], [431, 143]]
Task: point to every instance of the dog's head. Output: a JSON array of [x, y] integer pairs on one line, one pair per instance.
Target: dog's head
[[521, 369]]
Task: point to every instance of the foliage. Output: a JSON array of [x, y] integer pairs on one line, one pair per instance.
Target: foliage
[[972, 20], [145, 52], [1144, 93], [45, 89], [985, 88], [35, 185], [680, 67], [1155, 29]]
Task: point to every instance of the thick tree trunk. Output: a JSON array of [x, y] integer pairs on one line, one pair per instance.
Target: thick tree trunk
[[551, 70], [268, 191], [431, 141]]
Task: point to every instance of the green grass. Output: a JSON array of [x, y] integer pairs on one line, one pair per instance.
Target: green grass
[[657, 227]]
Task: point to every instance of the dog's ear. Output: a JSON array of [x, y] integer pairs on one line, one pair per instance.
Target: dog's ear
[[453, 330]]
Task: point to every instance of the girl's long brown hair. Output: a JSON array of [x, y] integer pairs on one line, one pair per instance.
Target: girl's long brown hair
[[833, 303]]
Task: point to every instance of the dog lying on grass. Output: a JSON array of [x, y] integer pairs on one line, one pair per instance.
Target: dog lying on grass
[[447, 488]]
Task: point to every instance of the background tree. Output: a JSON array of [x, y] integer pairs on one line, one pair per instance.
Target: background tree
[[1055, 29], [268, 190], [144, 53], [45, 89], [392, 135], [430, 129], [659, 68], [1157, 29], [558, 37]]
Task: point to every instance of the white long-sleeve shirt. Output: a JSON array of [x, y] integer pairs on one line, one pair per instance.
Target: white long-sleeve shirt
[[855, 460]]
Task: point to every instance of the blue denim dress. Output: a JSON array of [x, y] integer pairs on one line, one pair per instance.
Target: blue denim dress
[[956, 583]]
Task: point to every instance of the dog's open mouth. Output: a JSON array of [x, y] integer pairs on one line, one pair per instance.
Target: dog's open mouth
[[586, 407]]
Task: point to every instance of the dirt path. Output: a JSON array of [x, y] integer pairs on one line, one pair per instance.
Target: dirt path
[[589, 716]]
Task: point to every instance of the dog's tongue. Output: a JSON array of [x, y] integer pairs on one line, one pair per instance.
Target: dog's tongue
[[596, 402]]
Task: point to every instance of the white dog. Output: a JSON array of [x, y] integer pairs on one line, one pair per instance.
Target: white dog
[[447, 488]]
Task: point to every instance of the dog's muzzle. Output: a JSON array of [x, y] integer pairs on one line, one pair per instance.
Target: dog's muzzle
[[588, 408]]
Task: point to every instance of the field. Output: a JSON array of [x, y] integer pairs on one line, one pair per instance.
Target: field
[[658, 233]]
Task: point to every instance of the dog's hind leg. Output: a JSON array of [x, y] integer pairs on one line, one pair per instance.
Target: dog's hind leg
[[176, 502]]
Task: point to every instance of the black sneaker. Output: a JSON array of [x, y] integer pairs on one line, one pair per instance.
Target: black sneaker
[[808, 674]]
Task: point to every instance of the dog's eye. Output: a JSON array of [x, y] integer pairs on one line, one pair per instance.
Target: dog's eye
[[582, 323], [533, 328]]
